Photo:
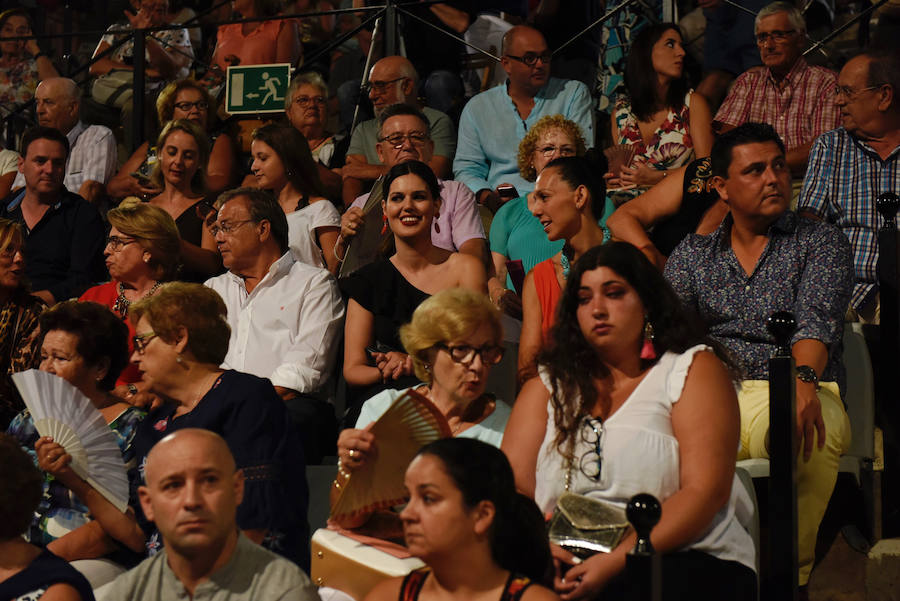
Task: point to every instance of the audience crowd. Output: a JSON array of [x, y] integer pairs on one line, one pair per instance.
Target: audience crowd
[[569, 272]]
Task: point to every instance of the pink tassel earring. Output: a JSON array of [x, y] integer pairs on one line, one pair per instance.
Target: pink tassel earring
[[648, 352]]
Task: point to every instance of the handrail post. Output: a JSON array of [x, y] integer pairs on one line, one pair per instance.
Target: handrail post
[[643, 570], [137, 98], [782, 461], [67, 41], [390, 29], [888, 283]]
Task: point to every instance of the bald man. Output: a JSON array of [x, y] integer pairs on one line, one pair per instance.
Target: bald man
[[393, 80], [92, 158], [192, 493], [495, 121]]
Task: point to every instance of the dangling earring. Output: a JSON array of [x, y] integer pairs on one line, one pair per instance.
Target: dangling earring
[[648, 351], [384, 224], [437, 226]]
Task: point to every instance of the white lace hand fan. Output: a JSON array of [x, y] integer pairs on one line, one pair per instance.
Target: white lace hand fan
[[61, 411], [411, 422]]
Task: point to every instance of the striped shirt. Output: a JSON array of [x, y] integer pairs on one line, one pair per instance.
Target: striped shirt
[[843, 179], [800, 108]]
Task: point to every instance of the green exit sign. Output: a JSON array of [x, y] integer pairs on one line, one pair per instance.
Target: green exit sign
[[257, 88]]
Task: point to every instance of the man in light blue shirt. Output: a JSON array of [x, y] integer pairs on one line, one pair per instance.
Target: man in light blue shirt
[[495, 121]]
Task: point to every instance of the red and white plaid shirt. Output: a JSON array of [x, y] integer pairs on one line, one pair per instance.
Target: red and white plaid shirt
[[800, 108]]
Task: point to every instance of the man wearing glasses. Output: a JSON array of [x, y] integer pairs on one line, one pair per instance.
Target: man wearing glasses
[[92, 159], [795, 98], [393, 80], [495, 121], [849, 167]]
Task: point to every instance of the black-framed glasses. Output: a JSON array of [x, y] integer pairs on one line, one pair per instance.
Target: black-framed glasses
[[305, 101], [592, 460], [775, 35], [380, 86], [141, 341], [416, 138], [850, 94], [227, 227], [531, 58], [117, 243], [465, 354], [186, 106]]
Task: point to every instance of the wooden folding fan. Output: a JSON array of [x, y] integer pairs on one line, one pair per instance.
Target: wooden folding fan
[[411, 422]]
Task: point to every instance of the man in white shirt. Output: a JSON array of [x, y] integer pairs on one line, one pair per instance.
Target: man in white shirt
[[192, 493], [285, 316], [92, 159]]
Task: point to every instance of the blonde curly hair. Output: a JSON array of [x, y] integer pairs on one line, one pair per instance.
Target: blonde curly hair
[[529, 142]]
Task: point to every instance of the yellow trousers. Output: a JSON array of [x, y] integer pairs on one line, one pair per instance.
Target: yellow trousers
[[816, 477]]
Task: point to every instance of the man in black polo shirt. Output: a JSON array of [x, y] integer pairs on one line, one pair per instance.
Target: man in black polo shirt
[[64, 234]]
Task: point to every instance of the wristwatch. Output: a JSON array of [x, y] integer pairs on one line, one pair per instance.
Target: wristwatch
[[805, 373]]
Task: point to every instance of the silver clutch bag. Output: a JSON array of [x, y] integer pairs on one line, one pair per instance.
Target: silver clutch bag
[[584, 526]]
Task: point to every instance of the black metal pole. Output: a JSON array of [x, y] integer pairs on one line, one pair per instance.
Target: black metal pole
[[137, 99], [391, 44], [67, 41], [643, 570], [888, 283], [782, 461]]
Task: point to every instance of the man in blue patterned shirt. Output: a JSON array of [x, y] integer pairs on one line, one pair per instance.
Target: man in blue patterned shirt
[[849, 167], [764, 258]]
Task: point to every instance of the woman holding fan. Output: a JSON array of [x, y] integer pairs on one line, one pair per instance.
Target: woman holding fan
[[85, 344]]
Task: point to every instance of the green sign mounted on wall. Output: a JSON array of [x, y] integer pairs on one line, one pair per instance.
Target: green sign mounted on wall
[[257, 88]]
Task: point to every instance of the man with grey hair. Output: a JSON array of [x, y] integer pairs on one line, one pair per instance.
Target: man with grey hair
[[795, 98], [286, 317], [192, 492], [92, 159], [393, 80]]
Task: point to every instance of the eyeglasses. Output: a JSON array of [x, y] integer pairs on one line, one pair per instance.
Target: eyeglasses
[[227, 227], [186, 106], [531, 58], [564, 151], [416, 138], [591, 461], [380, 86], [850, 94], [465, 354], [141, 341], [118, 243], [776, 36], [305, 101]]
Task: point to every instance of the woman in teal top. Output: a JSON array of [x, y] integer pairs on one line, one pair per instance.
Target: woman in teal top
[[515, 233]]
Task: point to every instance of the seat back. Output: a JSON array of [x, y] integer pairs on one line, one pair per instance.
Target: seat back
[[319, 479], [860, 396]]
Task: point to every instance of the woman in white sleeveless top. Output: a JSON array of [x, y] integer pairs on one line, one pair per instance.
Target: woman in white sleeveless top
[[632, 399]]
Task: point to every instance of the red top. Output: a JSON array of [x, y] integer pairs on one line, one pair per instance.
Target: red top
[[548, 291], [106, 295]]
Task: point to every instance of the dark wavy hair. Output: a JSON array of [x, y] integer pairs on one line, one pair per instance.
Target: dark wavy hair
[[482, 472], [582, 171], [100, 333], [574, 393], [21, 490], [292, 148], [640, 76]]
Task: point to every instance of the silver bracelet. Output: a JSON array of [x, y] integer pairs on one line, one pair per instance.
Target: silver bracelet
[[334, 250]]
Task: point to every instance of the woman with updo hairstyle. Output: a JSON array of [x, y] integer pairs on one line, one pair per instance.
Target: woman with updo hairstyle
[[568, 201], [383, 295], [666, 122], [142, 252], [283, 164], [183, 157], [85, 344], [29, 572], [181, 338], [181, 99], [478, 536], [454, 339]]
